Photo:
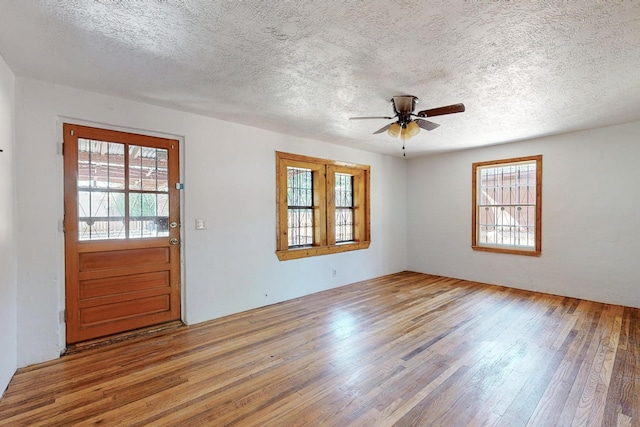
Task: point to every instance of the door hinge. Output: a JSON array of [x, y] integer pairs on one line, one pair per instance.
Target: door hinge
[[61, 148], [63, 316]]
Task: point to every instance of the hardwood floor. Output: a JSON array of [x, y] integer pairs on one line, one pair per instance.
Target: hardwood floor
[[407, 349]]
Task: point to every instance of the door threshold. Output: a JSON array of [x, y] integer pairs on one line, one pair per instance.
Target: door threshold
[[125, 336]]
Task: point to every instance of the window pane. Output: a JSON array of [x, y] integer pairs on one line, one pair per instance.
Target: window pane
[[135, 168], [344, 224], [162, 170], [300, 203], [300, 227], [507, 204], [148, 168], [100, 164], [344, 190], [116, 166], [163, 205], [507, 225], [299, 187], [148, 215], [100, 215], [84, 163], [344, 207]]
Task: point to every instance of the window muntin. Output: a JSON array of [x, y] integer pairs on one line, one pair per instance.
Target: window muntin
[[332, 216], [507, 205]]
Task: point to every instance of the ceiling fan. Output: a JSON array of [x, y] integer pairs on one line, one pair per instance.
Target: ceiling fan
[[409, 124]]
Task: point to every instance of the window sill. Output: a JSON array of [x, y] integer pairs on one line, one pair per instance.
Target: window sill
[[320, 250], [507, 250]]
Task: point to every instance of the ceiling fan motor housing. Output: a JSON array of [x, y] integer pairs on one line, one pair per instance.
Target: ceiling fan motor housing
[[404, 103]]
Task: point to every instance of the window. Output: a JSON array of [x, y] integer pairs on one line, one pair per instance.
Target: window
[[322, 206], [507, 206]]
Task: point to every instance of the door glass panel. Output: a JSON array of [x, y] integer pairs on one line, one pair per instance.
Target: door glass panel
[[116, 166], [84, 163], [148, 215], [162, 170], [135, 167], [116, 216], [135, 215], [100, 215], [163, 205], [100, 164], [102, 193], [148, 168]]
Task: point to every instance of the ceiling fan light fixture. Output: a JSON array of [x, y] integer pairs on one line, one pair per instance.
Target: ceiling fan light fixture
[[411, 130], [394, 130]]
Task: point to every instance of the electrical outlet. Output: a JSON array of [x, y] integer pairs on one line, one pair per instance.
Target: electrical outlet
[[334, 273], [201, 224]]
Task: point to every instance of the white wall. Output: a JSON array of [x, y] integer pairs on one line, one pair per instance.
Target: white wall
[[8, 263], [590, 217], [590, 214], [229, 176]]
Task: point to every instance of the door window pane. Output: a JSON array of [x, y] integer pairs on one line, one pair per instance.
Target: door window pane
[[148, 215], [100, 215], [100, 164], [116, 165], [162, 171], [148, 168]]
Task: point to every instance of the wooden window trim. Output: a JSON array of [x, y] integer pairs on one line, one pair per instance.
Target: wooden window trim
[[324, 206], [537, 250]]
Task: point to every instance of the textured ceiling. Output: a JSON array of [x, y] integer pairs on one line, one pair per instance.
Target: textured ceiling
[[522, 68]]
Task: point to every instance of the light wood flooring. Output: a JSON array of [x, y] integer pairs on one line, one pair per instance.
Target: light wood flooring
[[407, 349]]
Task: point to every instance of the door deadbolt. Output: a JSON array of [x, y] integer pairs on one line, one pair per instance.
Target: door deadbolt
[[173, 241], [173, 224]]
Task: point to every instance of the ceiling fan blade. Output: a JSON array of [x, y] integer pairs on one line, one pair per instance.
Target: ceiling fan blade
[[426, 124], [384, 128], [367, 118], [441, 111]]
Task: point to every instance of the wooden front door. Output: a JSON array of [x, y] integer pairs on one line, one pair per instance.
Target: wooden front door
[[122, 231]]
